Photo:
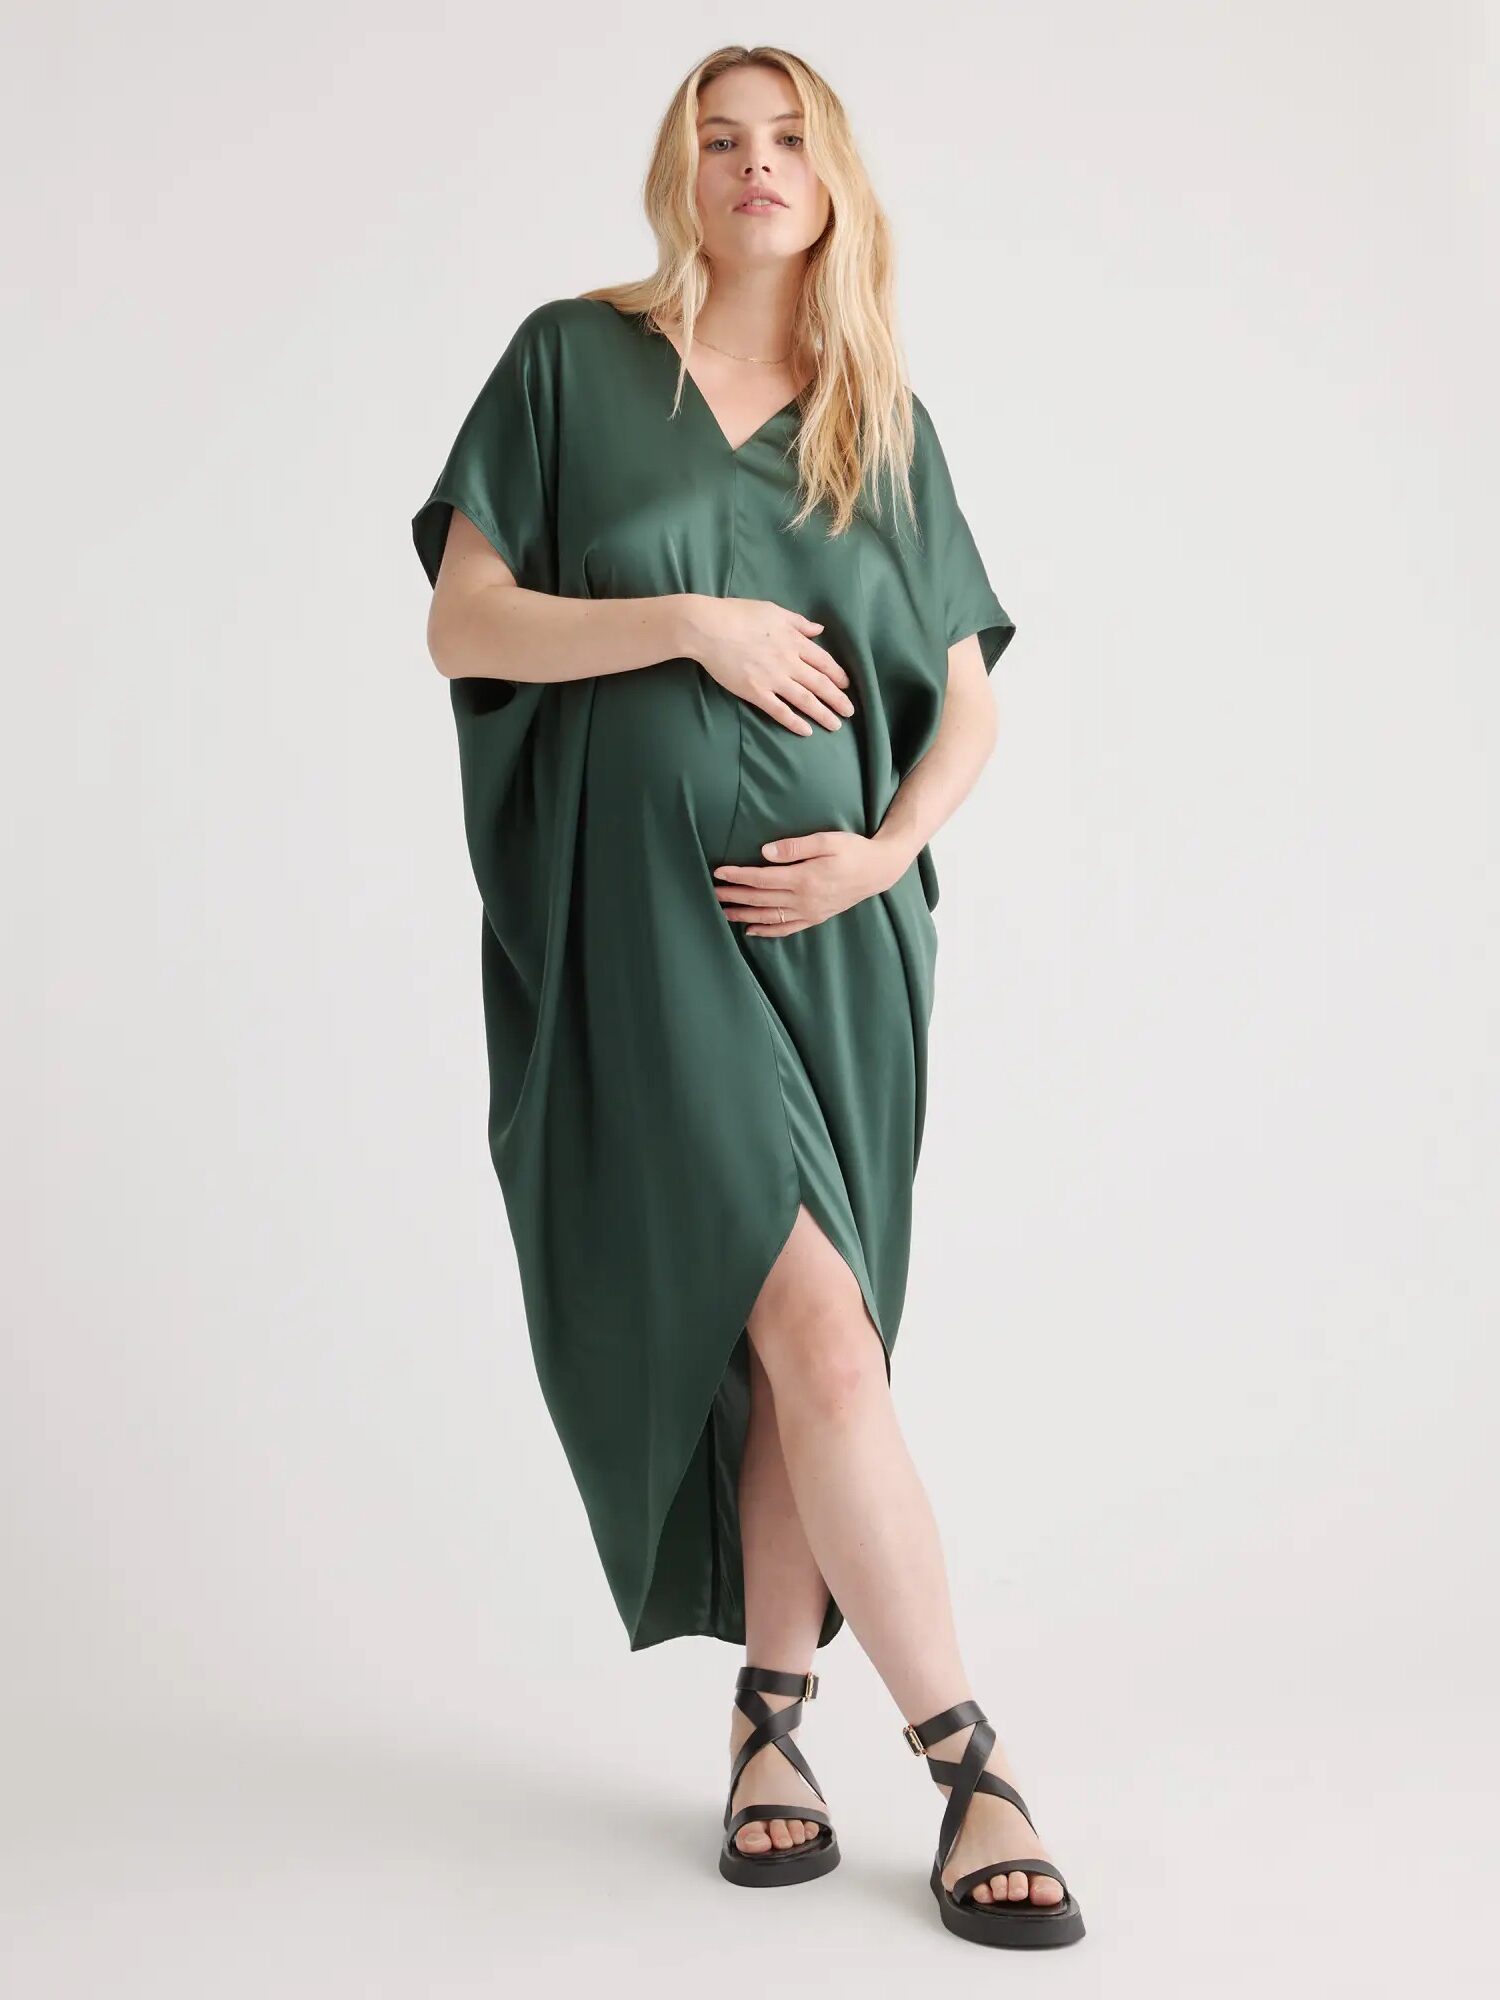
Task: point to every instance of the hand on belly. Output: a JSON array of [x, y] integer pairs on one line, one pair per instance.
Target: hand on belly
[[806, 878]]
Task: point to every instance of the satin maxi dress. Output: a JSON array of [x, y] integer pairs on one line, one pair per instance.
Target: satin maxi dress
[[664, 1090]]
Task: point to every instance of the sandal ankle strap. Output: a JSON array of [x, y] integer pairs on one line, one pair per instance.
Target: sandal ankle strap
[[768, 1680], [920, 1736]]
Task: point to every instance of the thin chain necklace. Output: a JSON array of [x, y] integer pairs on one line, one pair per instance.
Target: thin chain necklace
[[745, 357]]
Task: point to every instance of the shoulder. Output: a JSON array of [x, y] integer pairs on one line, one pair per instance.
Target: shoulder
[[557, 342], [557, 324], [533, 359], [925, 443], [928, 435]]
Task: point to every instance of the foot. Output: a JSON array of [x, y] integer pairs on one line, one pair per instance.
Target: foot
[[994, 1830], [770, 1779]]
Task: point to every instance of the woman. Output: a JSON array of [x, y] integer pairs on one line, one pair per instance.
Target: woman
[[714, 691]]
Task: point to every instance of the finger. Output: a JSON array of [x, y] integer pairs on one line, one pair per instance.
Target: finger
[[829, 690], [789, 847], [772, 876], [780, 930], [731, 872], [778, 711], [765, 906], [807, 624], [753, 899], [820, 657], [802, 696]]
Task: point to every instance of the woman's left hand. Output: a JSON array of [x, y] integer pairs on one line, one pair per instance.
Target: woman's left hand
[[810, 877]]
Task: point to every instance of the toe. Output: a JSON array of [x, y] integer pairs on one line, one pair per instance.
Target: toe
[[1018, 1885], [780, 1837], [981, 1893], [751, 1838], [1045, 1890]]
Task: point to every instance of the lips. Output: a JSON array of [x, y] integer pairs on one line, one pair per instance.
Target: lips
[[762, 200]]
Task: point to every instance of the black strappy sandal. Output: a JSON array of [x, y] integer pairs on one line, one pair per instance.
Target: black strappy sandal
[[778, 1865], [1024, 1925]]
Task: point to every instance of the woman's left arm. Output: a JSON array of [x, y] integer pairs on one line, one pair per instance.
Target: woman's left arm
[[935, 786], [813, 876]]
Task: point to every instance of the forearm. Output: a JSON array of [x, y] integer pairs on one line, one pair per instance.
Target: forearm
[[502, 632], [934, 788]]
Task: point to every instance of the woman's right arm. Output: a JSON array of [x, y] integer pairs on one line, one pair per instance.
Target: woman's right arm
[[482, 625]]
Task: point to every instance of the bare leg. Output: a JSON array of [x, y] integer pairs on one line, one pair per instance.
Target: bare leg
[[869, 1524], [784, 1599]]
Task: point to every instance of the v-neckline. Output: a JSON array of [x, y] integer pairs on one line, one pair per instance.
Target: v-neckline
[[734, 450]]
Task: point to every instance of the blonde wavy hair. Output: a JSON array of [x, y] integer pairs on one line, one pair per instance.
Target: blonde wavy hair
[[857, 423]]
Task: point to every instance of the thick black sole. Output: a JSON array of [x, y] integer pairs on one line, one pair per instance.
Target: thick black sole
[[1014, 1926], [780, 1868]]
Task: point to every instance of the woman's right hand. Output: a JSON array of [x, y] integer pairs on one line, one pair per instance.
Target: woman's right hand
[[767, 655]]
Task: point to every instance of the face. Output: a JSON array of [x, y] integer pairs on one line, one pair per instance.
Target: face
[[758, 196]]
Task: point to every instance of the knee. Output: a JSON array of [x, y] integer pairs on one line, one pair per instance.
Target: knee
[[823, 1359]]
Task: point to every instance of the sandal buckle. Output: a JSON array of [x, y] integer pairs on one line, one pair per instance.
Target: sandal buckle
[[914, 1741], [810, 1687]]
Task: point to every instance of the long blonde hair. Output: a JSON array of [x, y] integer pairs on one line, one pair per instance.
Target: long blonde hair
[[857, 421]]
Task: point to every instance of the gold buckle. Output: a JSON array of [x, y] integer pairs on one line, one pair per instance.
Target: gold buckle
[[914, 1740], [810, 1687]]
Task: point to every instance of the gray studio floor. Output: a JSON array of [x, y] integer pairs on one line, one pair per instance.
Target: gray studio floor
[[1218, 1853]]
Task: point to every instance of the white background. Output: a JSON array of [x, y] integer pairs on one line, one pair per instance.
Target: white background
[[312, 1681]]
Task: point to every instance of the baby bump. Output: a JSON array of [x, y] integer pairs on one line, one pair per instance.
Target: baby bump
[[669, 746], [663, 755], [790, 783]]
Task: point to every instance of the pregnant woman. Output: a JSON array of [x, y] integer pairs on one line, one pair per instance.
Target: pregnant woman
[[717, 635]]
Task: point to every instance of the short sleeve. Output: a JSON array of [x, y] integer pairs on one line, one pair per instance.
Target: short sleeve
[[965, 594], [502, 468]]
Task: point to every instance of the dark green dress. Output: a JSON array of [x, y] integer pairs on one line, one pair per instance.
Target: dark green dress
[[665, 1090]]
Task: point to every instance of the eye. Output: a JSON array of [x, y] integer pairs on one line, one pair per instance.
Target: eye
[[723, 140]]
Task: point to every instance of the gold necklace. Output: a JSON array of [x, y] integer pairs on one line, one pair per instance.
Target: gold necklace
[[745, 357]]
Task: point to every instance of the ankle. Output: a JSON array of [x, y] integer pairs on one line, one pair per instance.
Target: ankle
[[952, 1746], [743, 1724]]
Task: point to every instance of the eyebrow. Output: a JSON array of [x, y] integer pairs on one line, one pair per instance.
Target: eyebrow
[[719, 119]]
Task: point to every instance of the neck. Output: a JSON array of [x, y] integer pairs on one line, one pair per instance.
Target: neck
[[751, 309]]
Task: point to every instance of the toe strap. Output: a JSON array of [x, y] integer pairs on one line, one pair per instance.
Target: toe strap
[[962, 1890], [748, 1813]]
